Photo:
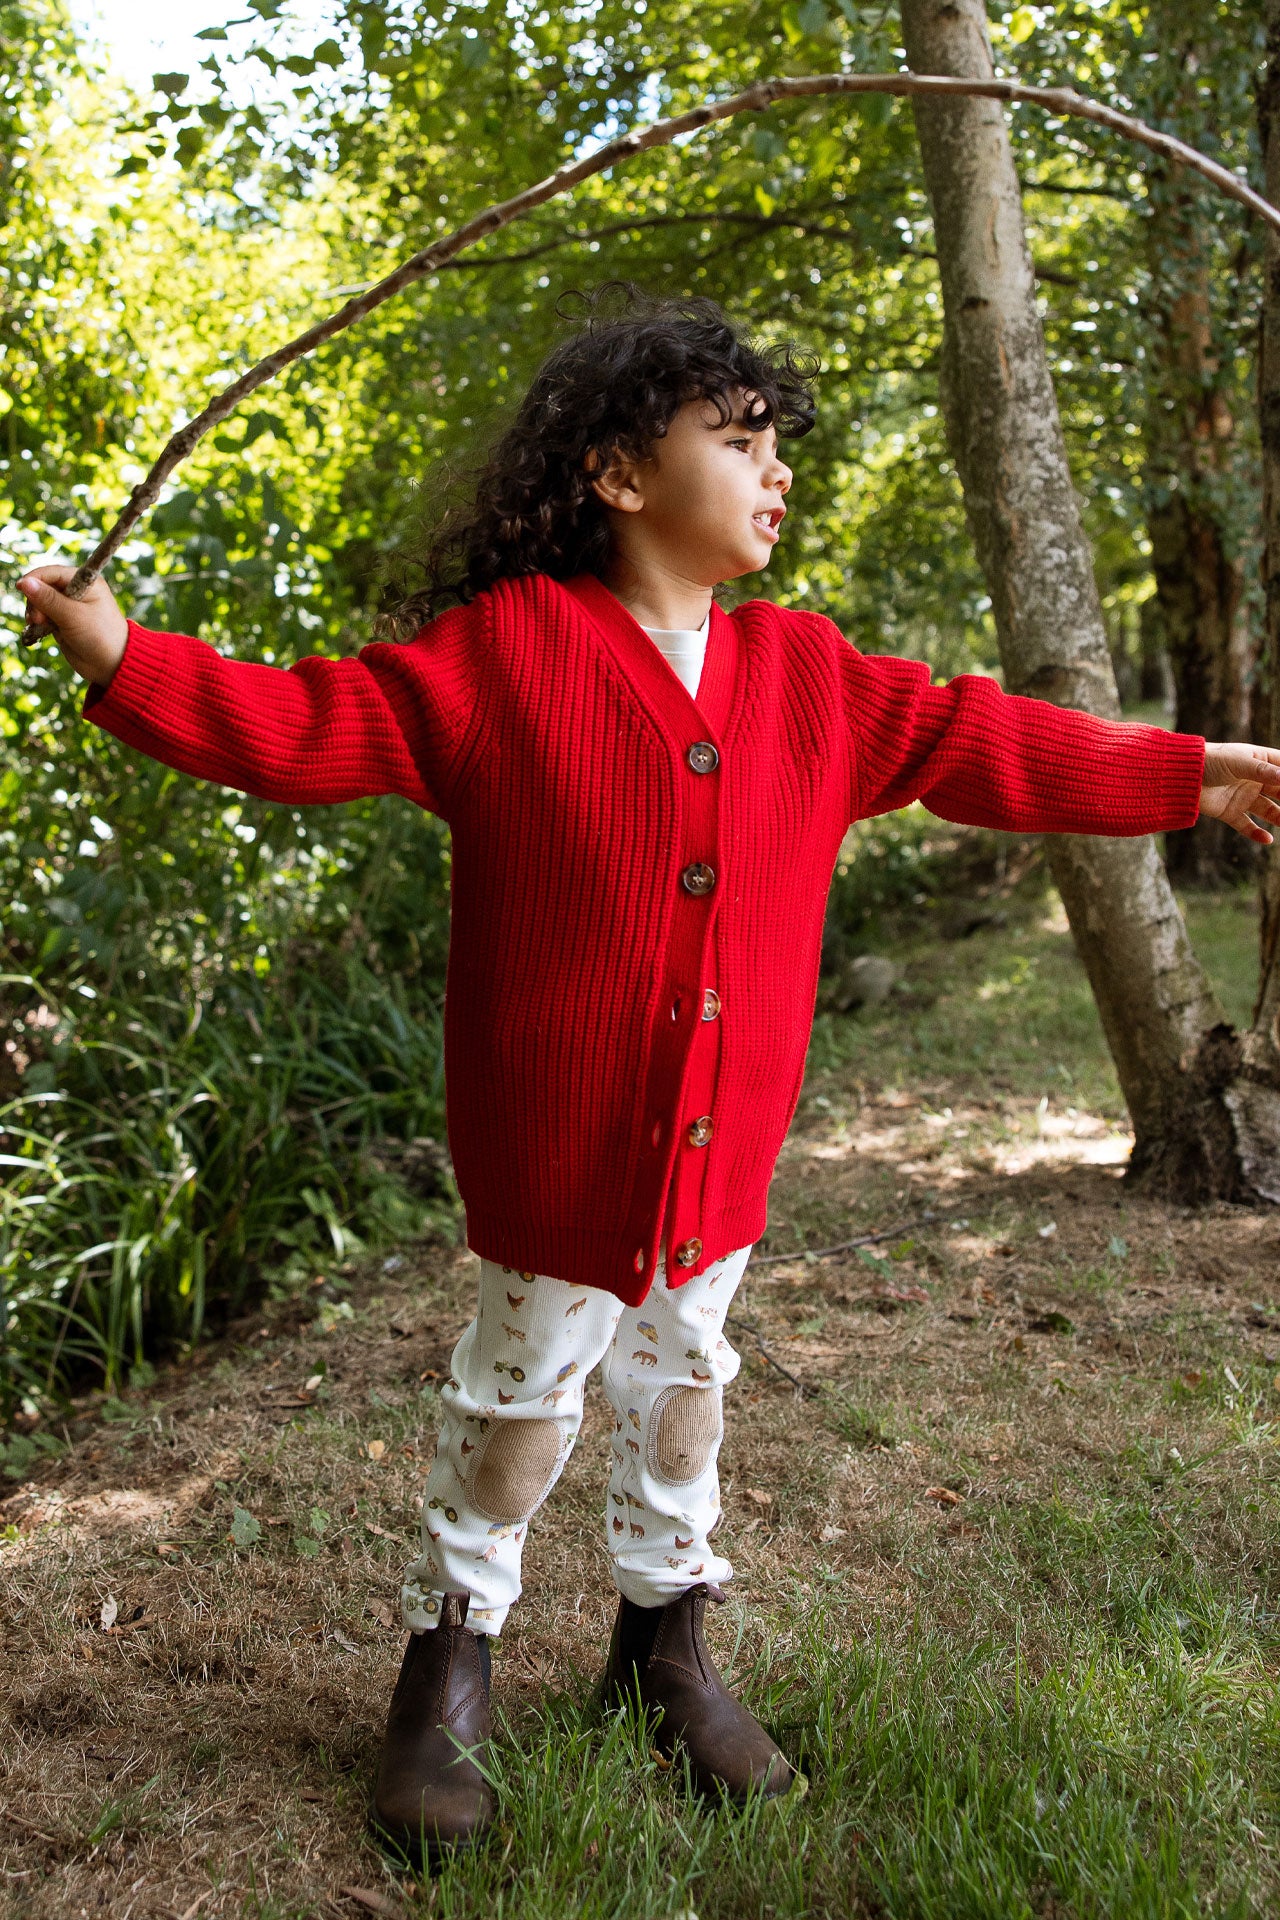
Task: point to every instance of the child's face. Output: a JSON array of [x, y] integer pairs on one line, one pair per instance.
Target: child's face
[[707, 503]]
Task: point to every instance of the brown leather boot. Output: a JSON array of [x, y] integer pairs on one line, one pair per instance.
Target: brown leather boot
[[658, 1654], [430, 1792]]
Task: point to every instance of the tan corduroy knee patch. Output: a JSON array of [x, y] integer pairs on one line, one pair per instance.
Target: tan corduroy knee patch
[[514, 1468], [684, 1433]]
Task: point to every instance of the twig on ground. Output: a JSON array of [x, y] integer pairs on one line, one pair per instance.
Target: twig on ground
[[924, 1219], [735, 1322]]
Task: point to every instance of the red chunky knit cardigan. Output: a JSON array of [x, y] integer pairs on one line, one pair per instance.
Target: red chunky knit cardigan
[[638, 878]]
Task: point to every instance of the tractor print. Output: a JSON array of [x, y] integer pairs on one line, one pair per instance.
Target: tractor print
[[566, 1372], [450, 1513], [646, 1359], [647, 1328], [575, 1306], [697, 1353], [524, 1276], [617, 1499], [503, 1366], [515, 1301]]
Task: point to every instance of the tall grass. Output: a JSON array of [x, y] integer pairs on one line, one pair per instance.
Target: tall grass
[[186, 1151]]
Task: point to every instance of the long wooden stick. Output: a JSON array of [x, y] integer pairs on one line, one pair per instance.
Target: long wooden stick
[[756, 99]]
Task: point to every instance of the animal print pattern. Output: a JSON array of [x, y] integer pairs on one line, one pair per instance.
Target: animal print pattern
[[526, 1356]]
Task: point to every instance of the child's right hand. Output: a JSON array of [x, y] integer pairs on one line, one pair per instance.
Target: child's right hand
[[92, 632]]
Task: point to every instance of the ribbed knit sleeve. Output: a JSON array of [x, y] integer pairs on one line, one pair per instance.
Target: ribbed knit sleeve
[[396, 718], [986, 758]]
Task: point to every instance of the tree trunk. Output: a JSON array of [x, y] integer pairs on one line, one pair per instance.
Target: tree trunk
[[1175, 1054], [1192, 452], [1262, 1048]]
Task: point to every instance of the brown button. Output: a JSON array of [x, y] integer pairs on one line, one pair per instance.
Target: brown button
[[689, 1253], [700, 1131], [711, 1004], [703, 757], [698, 878]]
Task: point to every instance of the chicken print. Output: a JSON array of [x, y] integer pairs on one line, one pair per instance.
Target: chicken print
[[505, 1399], [468, 1446], [701, 1378], [684, 1543], [633, 1445], [617, 1524], [515, 1301]]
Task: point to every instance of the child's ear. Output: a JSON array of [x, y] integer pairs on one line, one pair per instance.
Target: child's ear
[[616, 484]]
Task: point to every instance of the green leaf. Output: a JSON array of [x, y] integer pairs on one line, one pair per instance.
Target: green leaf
[[790, 17], [328, 54], [875, 108], [1118, 1248], [212, 33], [172, 84], [764, 200], [318, 1519], [136, 163], [813, 16], [1022, 24], [306, 1546], [190, 142], [874, 1261], [475, 52], [245, 1530]]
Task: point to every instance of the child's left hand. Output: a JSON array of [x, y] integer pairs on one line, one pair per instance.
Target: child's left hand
[[1239, 782]]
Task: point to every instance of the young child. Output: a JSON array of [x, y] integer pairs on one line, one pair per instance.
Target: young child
[[646, 798]]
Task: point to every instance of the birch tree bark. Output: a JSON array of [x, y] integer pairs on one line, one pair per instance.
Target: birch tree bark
[[1177, 1058]]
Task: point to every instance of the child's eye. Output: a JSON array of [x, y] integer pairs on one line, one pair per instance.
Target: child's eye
[[738, 443]]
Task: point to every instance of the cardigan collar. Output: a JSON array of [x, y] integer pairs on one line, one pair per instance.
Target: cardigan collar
[[659, 686]]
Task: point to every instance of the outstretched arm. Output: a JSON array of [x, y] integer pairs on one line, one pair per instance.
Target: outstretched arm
[[978, 755], [391, 720]]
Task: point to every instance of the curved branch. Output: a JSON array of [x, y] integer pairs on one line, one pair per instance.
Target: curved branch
[[755, 99]]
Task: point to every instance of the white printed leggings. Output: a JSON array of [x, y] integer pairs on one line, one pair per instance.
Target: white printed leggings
[[513, 1407]]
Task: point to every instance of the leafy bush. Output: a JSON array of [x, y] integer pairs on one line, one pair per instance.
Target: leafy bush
[[187, 1150]]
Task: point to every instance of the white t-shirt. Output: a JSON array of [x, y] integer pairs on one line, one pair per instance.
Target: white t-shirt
[[684, 650]]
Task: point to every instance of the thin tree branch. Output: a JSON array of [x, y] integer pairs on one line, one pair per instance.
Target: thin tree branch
[[660, 133]]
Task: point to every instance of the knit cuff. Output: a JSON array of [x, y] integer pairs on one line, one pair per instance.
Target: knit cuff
[[132, 688], [1180, 779]]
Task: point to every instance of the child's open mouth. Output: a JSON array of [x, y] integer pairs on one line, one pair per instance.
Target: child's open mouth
[[769, 521]]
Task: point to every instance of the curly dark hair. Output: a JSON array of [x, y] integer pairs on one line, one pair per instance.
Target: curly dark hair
[[612, 386]]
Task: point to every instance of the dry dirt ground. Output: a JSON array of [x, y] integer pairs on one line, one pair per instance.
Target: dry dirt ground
[[193, 1722]]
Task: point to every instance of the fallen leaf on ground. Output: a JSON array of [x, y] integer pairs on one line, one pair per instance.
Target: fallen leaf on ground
[[375, 1449], [758, 1494], [382, 1614], [832, 1533], [310, 1794], [309, 1386], [943, 1495], [373, 1902], [343, 1641], [380, 1531], [110, 1608]]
